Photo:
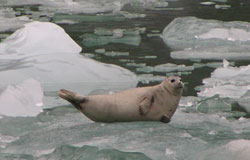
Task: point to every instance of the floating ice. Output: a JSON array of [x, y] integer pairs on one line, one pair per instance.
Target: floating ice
[[25, 99], [86, 6], [168, 67], [235, 149], [90, 40], [147, 78], [214, 53], [9, 21], [207, 3], [229, 82], [32, 39], [208, 39], [33, 52], [223, 107], [232, 82], [111, 53], [222, 1], [76, 18], [104, 36], [90, 152], [224, 6]]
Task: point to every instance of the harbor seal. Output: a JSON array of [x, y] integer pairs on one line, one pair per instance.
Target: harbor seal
[[154, 103]]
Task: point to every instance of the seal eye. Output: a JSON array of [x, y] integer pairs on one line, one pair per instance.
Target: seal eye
[[172, 80]]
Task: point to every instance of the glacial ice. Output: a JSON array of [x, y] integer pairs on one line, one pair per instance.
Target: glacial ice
[[104, 36], [229, 82], [33, 52], [111, 53], [93, 153], [168, 67], [147, 78], [32, 39], [235, 149], [25, 99], [208, 39], [76, 18], [232, 82], [9, 21], [150, 139], [207, 3], [87, 6]]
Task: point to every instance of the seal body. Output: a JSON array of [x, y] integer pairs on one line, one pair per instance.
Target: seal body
[[155, 103]]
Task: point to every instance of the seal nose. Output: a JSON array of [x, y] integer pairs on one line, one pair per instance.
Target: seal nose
[[181, 84]]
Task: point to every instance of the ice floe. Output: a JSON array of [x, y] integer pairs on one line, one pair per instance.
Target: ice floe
[[101, 17], [235, 149], [25, 99], [229, 88], [9, 21], [43, 51], [232, 82], [168, 67], [39, 38], [104, 36], [208, 39], [111, 53], [86, 6]]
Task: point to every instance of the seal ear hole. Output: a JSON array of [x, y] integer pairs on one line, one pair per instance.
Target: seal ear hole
[[172, 80]]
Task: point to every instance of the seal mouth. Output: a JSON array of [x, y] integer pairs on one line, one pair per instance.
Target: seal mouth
[[180, 85]]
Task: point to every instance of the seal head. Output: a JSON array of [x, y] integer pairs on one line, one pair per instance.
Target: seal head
[[173, 85]]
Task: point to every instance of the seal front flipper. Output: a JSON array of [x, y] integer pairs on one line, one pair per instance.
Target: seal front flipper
[[165, 119], [72, 97], [145, 105]]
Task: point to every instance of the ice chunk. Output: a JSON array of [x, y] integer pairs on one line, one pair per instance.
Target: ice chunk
[[9, 21], [231, 34], [223, 107], [76, 18], [90, 152], [214, 53], [240, 148], [43, 51], [32, 39], [231, 91], [227, 82], [86, 6], [90, 40], [235, 149], [225, 6], [105, 36], [168, 67], [230, 82], [207, 3], [111, 53], [25, 99], [207, 39], [222, 1], [147, 78]]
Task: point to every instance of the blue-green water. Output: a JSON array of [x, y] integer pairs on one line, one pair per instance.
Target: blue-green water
[[212, 119]]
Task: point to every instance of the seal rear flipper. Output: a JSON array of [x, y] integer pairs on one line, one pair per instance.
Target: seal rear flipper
[[72, 97]]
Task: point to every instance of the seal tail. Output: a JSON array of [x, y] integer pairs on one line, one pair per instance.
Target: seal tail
[[72, 97]]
